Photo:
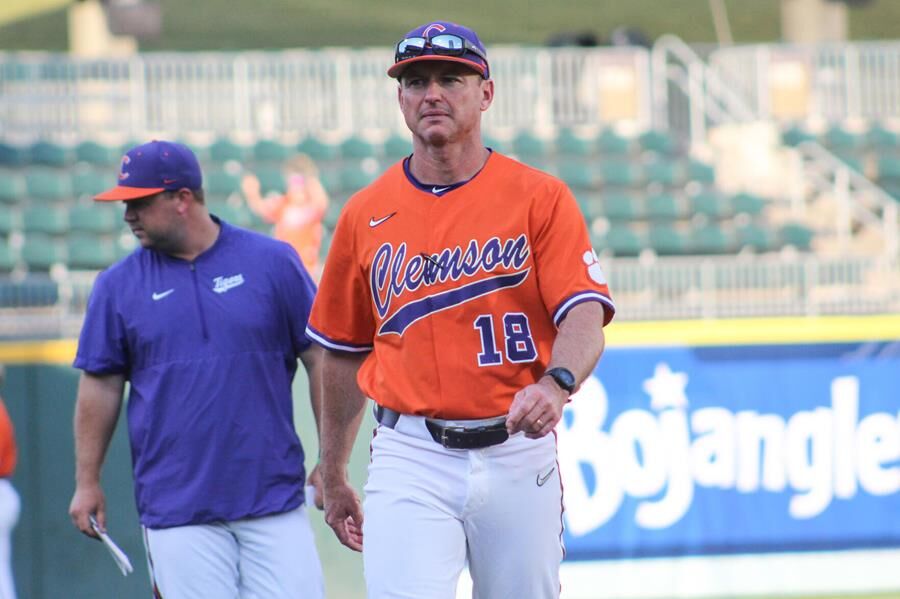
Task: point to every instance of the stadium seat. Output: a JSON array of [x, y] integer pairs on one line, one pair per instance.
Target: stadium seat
[[795, 135], [796, 235], [355, 147], [221, 183], [97, 154], [356, 176], [223, 150], [397, 147], [90, 252], [883, 139], [657, 141], [271, 179], [666, 240], [527, 145], [610, 142], [33, 291], [9, 257], [494, 143], [11, 155], [50, 154], [747, 203], [10, 220], [840, 140], [89, 182], [317, 149], [620, 240], [100, 219], [577, 175], [756, 237], [570, 144], [620, 173], [12, 187], [41, 252], [232, 213], [270, 150], [711, 239], [622, 206], [590, 203], [48, 184], [52, 220], [664, 172], [663, 207], [710, 203], [888, 168], [701, 172]]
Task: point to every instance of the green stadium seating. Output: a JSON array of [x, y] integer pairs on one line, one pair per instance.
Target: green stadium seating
[[10, 220], [48, 184], [663, 207], [527, 145], [90, 252], [494, 143], [664, 172], [397, 147], [610, 142], [796, 235], [666, 240], [318, 150], [354, 177], [756, 237], [11, 155], [9, 257], [12, 186], [590, 203], [577, 175], [220, 182], [570, 144], [97, 154], [883, 139], [837, 138], [271, 179], [888, 168], [99, 218], [269, 150], [357, 148], [747, 203], [33, 291], [712, 239], [50, 154], [620, 240], [233, 213], [52, 220], [701, 172], [622, 206], [620, 173], [710, 203], [795, 135], [657, 141], [331, 214], [223, 150], [42, 252], [89, 182]]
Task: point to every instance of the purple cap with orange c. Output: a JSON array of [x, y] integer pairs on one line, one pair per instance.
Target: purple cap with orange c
[[152, 168], [429, 30]]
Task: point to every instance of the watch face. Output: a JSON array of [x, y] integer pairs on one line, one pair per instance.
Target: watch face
[[563, 377]]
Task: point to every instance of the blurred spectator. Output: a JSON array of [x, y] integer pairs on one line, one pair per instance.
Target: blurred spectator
[[297, 214], [9, 499]]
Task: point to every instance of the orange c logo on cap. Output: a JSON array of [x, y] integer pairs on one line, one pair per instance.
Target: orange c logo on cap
[[436, 26], [126, 160]]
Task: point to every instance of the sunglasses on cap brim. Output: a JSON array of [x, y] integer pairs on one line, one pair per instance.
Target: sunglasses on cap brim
[[445, 44]]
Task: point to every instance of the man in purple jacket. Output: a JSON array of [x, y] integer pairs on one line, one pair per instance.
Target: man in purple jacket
[[205, 321]]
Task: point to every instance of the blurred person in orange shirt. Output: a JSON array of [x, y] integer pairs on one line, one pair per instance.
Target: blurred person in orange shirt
[[297, 214], [9, 499]]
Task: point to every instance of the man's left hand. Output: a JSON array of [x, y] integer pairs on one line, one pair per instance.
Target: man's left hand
[[536, 409]]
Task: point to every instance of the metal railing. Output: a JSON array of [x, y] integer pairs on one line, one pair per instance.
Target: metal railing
[[835, 82], [338, 91]]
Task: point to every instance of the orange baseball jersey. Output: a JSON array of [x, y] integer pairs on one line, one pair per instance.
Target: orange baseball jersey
[[456, 290], [7, 444]]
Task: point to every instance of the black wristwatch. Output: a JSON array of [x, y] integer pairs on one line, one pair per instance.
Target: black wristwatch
[[563, 377]]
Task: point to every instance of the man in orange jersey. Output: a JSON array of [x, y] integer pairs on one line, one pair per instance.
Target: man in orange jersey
[[462, 295], [9, 499]]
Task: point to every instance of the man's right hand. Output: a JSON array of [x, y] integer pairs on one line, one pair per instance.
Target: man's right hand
[[88, 499], [343, 514]]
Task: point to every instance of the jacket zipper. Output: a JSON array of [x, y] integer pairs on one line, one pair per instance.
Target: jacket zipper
[[199, 303]]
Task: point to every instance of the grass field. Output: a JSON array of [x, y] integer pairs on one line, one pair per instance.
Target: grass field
[[239, 24]]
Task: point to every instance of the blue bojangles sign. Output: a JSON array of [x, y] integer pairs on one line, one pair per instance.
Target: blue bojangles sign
[[677, 451]]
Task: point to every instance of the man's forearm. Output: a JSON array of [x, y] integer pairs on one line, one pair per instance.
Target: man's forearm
[[580, 340], [96, 412], [342, 410]]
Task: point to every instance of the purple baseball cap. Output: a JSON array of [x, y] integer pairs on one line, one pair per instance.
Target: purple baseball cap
[[470, 57], [152, 168]]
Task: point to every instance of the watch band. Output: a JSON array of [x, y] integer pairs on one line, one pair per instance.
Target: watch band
[[563, 377]]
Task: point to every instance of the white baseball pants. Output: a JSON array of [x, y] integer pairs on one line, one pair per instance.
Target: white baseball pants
[[10, 506], [272, 557], [429, 509]]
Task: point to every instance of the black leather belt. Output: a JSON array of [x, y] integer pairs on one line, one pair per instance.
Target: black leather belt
[[452, 436]]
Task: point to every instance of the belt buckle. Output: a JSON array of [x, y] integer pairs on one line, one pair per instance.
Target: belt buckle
[[445, 438]]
